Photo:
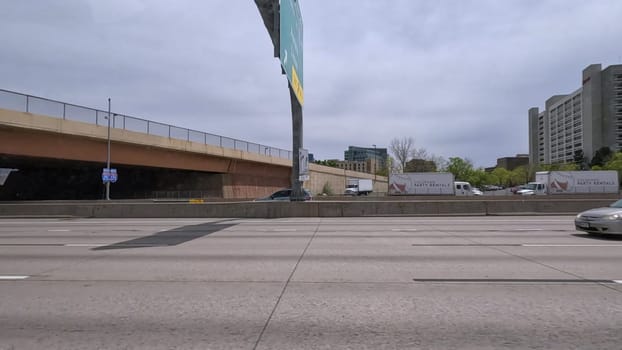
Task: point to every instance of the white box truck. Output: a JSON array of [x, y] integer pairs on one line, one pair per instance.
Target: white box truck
[[359, 187], [560, 182], [421, 184]]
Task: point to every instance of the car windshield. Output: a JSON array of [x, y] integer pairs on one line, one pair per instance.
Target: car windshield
[[617, 204], [530, 187]]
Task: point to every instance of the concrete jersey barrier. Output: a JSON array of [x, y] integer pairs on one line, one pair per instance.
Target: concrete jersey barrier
[[120, 209]]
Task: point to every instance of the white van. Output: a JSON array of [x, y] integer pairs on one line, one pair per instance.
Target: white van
[[462, 188]]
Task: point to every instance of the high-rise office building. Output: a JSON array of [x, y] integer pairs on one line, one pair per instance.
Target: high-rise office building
[[582, 121]]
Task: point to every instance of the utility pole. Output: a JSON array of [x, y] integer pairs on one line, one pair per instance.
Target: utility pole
[[108, 156], [375, 163]]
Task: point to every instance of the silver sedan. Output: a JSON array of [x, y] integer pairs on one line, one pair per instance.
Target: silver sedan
[[601, 220]]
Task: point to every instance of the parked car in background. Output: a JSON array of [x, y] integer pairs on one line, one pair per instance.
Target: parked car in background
[[515, 189], [606, 220], [284, 195]]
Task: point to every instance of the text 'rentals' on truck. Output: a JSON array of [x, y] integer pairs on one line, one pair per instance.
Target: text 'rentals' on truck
[[567, 182], [427, 184], [359, 187]]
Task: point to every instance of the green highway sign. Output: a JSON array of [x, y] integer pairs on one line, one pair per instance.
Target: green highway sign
[[291, 45]]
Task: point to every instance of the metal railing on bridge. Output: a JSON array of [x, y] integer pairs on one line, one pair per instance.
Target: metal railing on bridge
[[67, 111]]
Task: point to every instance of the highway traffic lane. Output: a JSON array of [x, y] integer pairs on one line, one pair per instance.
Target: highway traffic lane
[[261, 260], [381, 249], [155, 315], [496, 248], [336, 312], [330, 262], [446, 316], [133, 315]]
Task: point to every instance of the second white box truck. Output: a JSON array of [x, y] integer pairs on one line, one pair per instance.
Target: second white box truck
[[560, 182]]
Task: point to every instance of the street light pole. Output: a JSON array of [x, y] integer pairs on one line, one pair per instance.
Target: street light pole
[[375, 162], [108, 155]]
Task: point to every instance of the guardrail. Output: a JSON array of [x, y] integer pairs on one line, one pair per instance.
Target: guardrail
[[67, 111]]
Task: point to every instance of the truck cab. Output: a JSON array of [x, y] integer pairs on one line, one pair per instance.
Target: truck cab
[[352, 190], [462, 188], [532, 188]]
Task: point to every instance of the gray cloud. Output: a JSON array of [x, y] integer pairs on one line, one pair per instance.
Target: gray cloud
[[459, 76]]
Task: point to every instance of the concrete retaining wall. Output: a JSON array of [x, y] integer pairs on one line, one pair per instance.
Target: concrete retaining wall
[[299, 209], [336, 179]]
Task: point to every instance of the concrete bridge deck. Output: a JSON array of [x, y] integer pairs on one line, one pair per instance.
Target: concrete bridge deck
[[224, 172]]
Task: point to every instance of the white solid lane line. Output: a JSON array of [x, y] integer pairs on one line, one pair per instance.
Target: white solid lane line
[[571, 245]]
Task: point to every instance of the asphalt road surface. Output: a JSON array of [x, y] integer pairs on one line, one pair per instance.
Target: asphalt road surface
[[313, 283]]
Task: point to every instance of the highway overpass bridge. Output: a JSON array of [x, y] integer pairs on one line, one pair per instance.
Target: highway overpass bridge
[[60, 150]]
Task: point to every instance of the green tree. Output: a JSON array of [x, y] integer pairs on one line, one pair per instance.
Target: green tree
[[580, 160], [569, 167], [387, 169], [559, 167], [383, 172], [461, 168], [502, 177], [478, 177], [601, 156], [331, 163], [614, 163], [519, 175], [545, 167]]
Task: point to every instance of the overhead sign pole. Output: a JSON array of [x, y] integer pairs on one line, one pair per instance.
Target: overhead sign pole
[[283, 20], [290, 54]]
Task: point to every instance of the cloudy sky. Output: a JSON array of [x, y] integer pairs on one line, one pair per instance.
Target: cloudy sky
[[456, 75]]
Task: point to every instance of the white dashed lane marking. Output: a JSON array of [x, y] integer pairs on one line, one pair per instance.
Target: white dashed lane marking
[[12, 277]]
